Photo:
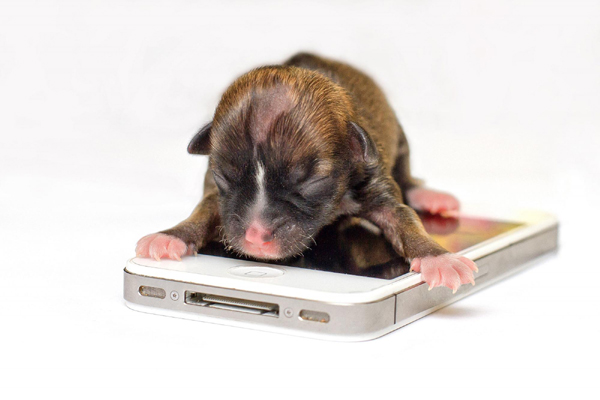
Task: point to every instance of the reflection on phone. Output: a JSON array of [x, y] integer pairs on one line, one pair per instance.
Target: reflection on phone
[[355, 246]]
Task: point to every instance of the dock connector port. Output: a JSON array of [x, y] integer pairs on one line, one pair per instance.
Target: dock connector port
[[232, 304]]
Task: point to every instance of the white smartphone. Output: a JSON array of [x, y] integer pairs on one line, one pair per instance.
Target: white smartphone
[[350, 286]]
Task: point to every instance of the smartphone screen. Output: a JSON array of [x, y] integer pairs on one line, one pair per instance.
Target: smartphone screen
[[356, 247]]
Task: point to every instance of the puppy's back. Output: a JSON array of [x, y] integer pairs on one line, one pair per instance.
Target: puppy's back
[[374, 112]]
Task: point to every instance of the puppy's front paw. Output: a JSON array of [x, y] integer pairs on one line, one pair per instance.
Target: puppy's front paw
[[445, 270], [432, 201], [159, 245]]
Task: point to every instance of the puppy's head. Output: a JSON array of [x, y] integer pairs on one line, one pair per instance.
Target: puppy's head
[[282, 150]]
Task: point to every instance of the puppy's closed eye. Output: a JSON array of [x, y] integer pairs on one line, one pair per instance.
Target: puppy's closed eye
[[222, 182], [316, 186]]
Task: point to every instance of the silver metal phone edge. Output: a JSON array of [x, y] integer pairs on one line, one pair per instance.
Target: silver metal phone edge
[[348, 322]]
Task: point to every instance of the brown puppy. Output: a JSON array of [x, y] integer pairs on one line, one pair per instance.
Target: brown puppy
[[292, 148]]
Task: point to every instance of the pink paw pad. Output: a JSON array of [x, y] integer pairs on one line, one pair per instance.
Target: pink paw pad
[[433, 202], [159, 245], [445, 270]]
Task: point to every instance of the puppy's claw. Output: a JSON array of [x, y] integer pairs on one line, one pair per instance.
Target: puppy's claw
[[450, 214], [415, 265]]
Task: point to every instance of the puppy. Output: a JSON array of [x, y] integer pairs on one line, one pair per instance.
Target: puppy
[[292, 148]]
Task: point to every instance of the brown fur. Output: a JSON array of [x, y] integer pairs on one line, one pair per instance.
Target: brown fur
[[312, 107]]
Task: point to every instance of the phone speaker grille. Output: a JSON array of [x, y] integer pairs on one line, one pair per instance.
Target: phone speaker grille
[[316, 316], [149, 291]]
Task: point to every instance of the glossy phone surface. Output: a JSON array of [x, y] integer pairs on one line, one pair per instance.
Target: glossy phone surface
[[352, 246]]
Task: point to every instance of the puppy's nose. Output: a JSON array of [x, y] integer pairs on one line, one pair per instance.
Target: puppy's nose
[[258, 235]]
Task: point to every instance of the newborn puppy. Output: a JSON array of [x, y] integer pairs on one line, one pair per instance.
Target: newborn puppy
[[292, 148]]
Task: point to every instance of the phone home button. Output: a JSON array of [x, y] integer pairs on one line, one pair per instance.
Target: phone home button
[[246, 271]]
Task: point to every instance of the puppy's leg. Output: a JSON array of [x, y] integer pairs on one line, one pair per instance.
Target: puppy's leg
[[402, 227], [418, 197], [186, 237]]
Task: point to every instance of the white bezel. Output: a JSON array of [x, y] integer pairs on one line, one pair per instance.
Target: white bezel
[[330, 287]]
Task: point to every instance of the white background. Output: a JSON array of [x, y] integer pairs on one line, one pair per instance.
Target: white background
[[98, 100]]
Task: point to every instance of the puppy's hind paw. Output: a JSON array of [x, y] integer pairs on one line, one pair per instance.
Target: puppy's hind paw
[[448, 270], [433, 202], [159, 245]]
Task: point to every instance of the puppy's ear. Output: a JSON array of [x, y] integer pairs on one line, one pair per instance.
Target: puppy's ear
[[200, 143], [361, 144]]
